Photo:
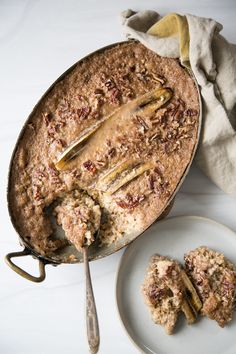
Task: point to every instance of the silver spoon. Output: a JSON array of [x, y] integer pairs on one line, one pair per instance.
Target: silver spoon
[[91, 312]]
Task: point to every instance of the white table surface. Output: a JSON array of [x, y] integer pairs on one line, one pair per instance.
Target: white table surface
[[39, 39]]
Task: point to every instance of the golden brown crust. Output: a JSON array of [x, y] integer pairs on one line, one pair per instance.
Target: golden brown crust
[[95, 88]]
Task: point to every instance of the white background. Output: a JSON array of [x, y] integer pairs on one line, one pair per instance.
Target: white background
[[39, 39]]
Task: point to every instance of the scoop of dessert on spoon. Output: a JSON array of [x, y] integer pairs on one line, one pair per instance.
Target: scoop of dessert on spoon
[[80, 216]]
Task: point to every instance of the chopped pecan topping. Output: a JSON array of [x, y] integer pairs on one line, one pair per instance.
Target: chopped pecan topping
[[142, 74], [155, 293], [67, 112], [111, 152], [128, 92], [75, 173], [181, 102], [167, 147], [142, 122], [158, 78], [60, 124], [172, 109], [163, 188], [60, 142], [89, 166], [157, 170], [37, 195], [83, 112], [53, 175], [31, 126], [38, 176], [47, 117], [130, 201], [178, 114], [115, 96], [101, 163], [51, 131], [108, 143], [98, 103], [151, 181], [154, 137], [190, 112], [96, 114], [157, 183], [82, 98], [98, 92], [110, 84], [132, 68], [86, 78], [126, 76], [161, 118]]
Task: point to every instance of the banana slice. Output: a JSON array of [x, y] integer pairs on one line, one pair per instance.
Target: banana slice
[[121, 175], [153, 100], [147, 103], [190, 316], [73, 149], [191, 294]]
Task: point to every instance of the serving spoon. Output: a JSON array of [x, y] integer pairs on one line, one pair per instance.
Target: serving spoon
[[148, 102], [91, 311]]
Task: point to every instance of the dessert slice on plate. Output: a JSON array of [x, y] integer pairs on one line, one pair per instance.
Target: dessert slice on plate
[[214, 278], [168, 291]]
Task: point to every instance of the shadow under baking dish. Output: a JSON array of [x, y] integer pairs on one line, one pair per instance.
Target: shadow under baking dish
[[172, 237]]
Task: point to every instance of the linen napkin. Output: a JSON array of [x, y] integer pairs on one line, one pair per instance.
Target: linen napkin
[[212, 59]]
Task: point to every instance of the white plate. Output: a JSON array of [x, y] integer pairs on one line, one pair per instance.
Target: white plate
[[172, 237]]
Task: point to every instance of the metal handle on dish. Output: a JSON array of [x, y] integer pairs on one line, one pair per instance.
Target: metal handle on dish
[[23, 273], [91, 312]]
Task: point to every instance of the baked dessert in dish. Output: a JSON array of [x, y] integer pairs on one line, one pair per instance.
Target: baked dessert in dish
[[214, 278], [121, 127], [167, 291]]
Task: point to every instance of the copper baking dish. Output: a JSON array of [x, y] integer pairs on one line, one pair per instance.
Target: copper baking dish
[[95, 252]]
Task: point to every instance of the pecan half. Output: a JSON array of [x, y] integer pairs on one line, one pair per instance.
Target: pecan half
[[158, 78], [130, 201], [89, 166], [190, 112], [115, 96], [47, 118], [110, 84], [83, 112]]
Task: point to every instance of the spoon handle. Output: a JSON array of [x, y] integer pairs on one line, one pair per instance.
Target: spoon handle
[[91, 312]]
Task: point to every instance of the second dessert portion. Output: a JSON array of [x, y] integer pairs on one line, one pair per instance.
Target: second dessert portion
[[214, 277]]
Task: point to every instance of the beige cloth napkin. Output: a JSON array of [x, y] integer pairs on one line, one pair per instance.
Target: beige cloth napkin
[[213, 62]]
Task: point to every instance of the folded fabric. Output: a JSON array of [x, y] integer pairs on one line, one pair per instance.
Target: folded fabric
[[199, 45]]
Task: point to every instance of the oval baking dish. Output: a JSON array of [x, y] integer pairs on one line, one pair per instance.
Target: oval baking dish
[[124, 96]]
